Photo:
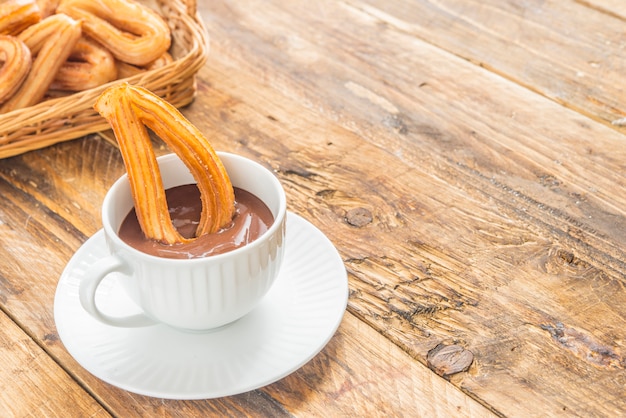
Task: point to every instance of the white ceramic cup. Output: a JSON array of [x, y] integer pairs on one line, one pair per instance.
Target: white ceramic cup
[[193, 294]]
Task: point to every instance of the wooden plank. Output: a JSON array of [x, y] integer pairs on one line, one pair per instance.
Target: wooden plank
[[611, 7], [494, 224], [358, 371], [569, 51], [362, 374], [33, 385]]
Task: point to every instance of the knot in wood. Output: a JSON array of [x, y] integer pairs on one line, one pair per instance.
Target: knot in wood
[[358, 217], [446, 360]]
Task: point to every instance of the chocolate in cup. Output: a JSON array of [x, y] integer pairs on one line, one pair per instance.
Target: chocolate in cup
[[193, 294], [252, 219]]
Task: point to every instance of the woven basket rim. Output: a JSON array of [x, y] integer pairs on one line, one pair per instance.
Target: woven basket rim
[[65, 118]]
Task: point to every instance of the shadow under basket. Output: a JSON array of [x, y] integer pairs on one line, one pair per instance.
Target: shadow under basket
[[73, 116]]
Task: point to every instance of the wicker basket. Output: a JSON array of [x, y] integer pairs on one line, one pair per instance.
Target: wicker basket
[[73, 116]]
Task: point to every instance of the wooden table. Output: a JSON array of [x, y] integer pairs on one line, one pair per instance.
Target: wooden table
[[468, 160]]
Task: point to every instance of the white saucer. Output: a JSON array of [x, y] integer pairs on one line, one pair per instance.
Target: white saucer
[[294, 321]]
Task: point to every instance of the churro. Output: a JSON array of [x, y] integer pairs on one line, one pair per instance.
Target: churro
[[125, 69], [50, 41], [131, 31], [89, 65], [14, 70], [47, 7], [129, 109], [17, 15]]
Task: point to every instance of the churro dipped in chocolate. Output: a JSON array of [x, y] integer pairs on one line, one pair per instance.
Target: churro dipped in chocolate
[[129, 109]]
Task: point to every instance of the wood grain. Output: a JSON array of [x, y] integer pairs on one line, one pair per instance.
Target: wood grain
[[568, 51], [462, 157], [610, 7], [356, 386], [495, 216], [379, 380], [33, 385]]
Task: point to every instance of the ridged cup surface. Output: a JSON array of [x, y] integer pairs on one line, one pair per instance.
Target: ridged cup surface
[[201, 293]]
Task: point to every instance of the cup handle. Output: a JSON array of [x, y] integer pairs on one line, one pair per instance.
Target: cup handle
[[87, 294]]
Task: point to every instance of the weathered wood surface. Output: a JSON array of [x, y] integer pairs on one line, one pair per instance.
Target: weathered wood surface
[[495, 220], [33, 384], [461, 155], [356, 373], [610, 7], [569, 51]]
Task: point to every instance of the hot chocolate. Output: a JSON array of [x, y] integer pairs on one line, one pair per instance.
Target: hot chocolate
[[252, 218]]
